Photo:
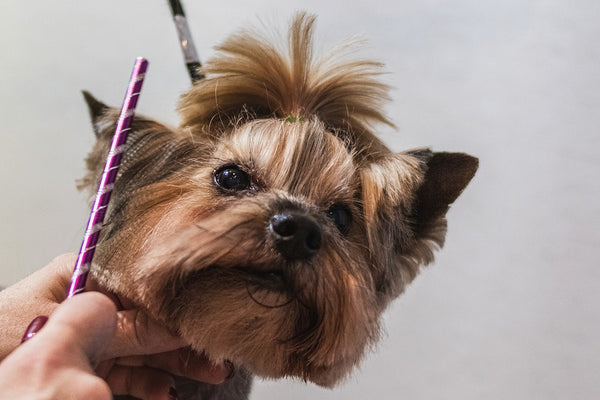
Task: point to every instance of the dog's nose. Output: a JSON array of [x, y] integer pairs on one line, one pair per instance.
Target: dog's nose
[[297, 236]]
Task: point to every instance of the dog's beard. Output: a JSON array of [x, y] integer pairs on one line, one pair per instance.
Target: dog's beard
[[201, 259], [215, 277]]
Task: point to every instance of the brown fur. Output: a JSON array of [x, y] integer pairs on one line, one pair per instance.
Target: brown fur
[[201, 259]]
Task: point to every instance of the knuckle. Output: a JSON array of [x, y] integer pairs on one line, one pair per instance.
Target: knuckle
[[96, 389]]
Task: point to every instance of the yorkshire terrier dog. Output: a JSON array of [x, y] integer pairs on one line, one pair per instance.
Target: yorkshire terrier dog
[[272, 227]]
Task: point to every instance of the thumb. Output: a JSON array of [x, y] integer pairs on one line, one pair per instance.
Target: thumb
[[82, 327], [137, 334]]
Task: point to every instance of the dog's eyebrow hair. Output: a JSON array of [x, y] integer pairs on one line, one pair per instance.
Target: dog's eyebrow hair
[[300, 157]]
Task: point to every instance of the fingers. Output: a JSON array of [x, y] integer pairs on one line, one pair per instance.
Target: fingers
[[184, 362], [82, 326], [138, 334], [58, 360], [35, 373], [89, 387], [143, 383], [138, 341], [33, 296]]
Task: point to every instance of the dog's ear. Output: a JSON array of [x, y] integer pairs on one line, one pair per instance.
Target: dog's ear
[[405, 198], [149, 153], [447, 175], [96, 109], [153, 152]]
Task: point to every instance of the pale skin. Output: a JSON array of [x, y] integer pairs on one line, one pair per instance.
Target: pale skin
[[87, 349]]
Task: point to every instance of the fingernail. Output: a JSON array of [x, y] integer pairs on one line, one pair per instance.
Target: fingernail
[[34, 327], [173, 394], [229, 365]]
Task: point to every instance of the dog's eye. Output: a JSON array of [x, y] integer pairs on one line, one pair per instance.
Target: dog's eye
[[231, 178], [341, 216]]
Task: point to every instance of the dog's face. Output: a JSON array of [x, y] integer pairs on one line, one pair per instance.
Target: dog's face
[[273, 242]]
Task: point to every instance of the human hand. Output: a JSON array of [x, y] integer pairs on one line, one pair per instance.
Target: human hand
[[141, 357], [59, 362]]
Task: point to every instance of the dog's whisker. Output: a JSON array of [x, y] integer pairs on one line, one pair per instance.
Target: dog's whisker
[[254, 299]]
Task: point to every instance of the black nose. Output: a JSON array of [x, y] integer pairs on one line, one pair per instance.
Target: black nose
[[297, 236]]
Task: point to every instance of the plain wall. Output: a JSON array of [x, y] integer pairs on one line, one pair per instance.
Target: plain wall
[[511, 308]]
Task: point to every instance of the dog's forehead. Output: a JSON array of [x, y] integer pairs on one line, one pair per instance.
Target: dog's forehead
[[301, 158]]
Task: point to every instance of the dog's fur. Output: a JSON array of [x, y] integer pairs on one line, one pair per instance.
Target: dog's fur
[[203, 258]]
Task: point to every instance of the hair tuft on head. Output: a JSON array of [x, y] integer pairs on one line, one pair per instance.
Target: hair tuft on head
[[250, 76]]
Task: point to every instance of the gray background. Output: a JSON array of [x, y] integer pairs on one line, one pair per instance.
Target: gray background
[[511, 308]]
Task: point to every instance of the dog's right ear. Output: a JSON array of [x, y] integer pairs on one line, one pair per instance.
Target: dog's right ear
[[96, 109], [153, 150]]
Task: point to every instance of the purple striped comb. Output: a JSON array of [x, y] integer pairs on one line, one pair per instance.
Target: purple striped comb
[[111, 168]]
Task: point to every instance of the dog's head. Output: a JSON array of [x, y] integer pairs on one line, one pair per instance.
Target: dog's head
[[272, 228]]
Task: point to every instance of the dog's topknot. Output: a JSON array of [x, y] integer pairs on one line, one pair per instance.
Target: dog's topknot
[[251, 78]]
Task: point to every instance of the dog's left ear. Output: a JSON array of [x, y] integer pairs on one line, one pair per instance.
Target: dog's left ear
[[446, 176], [405, 198]]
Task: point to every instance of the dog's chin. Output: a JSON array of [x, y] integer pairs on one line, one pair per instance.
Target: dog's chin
[[259, 282], [323, 375], [251, 316]]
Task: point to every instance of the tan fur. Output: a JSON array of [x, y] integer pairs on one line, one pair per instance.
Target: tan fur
[[249, 71], [203, 260]]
